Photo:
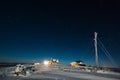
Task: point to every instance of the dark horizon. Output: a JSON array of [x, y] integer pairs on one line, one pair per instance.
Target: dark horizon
[[34, 31]]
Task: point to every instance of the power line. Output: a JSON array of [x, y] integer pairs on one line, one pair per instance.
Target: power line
[[106, 52]]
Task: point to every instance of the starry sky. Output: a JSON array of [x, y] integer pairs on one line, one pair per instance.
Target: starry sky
[[34, 31]]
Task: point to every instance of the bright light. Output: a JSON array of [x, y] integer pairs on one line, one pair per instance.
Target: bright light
[[46, 62]]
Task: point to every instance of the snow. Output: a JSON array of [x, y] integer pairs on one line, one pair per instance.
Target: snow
[[58, 72]]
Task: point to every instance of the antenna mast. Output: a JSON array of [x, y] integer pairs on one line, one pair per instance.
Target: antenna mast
[[96, 51]]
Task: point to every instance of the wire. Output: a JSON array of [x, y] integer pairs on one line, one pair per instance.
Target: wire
[[106, 52]]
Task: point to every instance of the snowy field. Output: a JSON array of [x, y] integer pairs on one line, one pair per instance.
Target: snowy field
[[58, 73]]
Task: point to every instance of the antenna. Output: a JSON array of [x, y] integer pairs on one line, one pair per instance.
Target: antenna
[[96, 51]]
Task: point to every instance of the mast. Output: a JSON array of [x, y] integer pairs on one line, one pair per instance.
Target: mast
[[96, 51]]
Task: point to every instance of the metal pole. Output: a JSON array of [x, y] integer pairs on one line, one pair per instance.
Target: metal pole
[[96, 51]]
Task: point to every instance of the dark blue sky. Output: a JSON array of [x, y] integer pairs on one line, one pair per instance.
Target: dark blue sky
[[33, 31]]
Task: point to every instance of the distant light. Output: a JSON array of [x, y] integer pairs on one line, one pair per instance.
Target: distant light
[[46, 62]]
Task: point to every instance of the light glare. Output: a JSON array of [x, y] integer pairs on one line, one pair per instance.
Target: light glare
[[46, 62]]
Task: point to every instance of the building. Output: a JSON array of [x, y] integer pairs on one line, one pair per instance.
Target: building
[[77, 64]]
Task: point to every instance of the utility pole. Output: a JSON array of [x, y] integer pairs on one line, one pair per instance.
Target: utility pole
[[96, 51]]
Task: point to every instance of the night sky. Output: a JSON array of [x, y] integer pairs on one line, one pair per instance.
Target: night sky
[[34, 31]]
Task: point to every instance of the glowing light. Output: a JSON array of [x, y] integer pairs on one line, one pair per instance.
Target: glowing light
[[46, 62]]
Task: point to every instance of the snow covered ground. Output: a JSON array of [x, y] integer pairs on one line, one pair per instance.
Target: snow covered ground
[[58, 73]]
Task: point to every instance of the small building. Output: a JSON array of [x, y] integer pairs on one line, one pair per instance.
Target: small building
[[77, 64], [51, 61]]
